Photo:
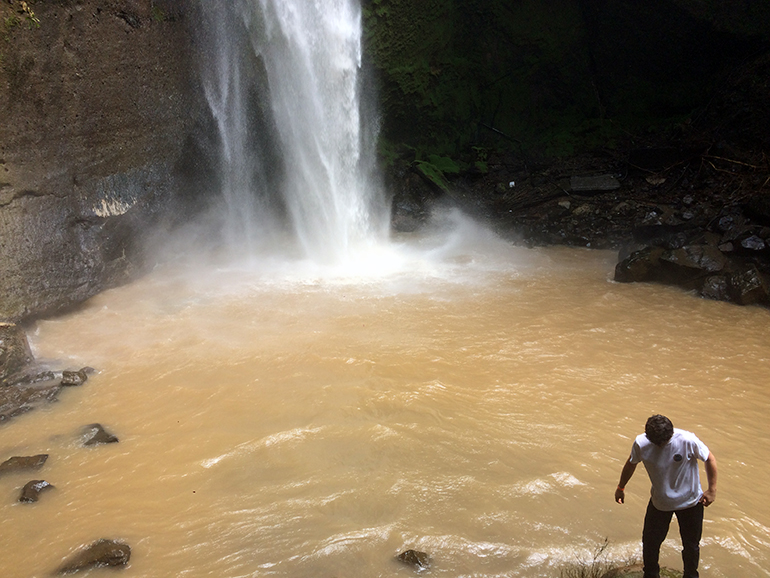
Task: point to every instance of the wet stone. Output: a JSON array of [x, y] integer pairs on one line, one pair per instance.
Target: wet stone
[[419, 560], [33, 378], [748, 286], [716, 287], [103, 552], [18, 463], [701, 257], [31, 491], [74, 378], [96, 434], [753, 243], [16, 400]]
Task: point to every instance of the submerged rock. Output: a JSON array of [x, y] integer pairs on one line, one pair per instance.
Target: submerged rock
[[18, 399], [23, 384], [75, 378], [96, 434], [103, 552], [31, 491], [18, 463], [419, 560]]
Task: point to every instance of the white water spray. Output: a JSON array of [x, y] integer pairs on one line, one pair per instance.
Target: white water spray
[[307, 56]]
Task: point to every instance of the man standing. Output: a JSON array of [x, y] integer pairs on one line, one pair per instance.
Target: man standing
[[670, 457]]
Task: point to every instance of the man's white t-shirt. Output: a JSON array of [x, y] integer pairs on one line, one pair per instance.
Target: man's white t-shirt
[[673, 469]]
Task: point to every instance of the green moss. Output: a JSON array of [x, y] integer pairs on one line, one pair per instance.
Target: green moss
[[20, 12], [13, 15], [448, 69], [158, 14], [433, 174], [527, 76], [444, 164]]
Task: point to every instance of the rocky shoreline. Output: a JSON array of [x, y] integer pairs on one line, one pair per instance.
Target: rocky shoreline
[[686, 205], [697, 217]]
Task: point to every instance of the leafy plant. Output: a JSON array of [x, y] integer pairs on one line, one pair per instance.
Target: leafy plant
[[433, 174], [444, 164], [22, 13], [28, 16]]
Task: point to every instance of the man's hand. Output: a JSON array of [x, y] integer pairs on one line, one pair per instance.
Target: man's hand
[[708, 497], [625, 475]]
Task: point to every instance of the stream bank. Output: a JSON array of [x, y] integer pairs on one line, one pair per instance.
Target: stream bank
[[686, 206]]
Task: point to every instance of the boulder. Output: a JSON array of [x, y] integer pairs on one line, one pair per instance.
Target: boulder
[[31, 490], [748, 286], [688, 267], [18, 463], [103, 552], [697, 258], [753, 243], [639, 266], [96, 434], [716, 287], [414, 558], [74, 378]]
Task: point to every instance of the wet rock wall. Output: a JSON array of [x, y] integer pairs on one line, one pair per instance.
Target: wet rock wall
[[98, 102]]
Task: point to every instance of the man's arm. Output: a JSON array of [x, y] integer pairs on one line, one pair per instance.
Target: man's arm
[[625, 475], [710, 494]]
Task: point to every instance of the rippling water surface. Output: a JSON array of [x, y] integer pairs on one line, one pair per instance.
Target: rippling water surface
[[467, 398]]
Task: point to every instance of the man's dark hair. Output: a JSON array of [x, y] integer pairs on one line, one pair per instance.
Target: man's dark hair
[[659, 429]]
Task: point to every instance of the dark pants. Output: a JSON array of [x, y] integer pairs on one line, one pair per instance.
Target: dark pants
[[656, 525]]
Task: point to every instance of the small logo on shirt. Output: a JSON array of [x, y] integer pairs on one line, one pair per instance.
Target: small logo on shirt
[[678, 458]]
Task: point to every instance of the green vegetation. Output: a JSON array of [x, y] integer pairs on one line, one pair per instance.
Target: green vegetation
[[13, 15], [18, 13], [158, 14], [436, 168], [458, 74], [456, 77]]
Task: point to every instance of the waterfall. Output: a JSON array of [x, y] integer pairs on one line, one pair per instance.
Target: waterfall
[[283, 82]]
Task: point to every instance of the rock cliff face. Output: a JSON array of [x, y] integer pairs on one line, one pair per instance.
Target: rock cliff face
[[97, 104]]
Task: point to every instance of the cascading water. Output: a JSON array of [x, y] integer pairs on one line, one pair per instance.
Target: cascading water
[[304, 58]]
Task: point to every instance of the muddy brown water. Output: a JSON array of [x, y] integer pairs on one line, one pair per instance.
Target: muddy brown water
[[478, 408]]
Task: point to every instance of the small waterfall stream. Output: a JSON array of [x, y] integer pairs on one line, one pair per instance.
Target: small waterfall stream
[[304, 58]]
